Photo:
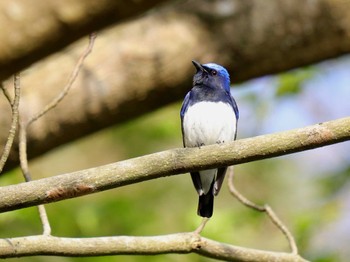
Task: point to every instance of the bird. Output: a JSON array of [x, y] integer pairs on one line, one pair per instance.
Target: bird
[[209, 115]]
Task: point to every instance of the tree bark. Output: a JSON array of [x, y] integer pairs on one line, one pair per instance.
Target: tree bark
[[33, 30], [143, 64]]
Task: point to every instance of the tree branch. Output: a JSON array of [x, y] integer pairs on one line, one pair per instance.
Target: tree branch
[[50, 25], [171, 162], [14, 122], [69, 84], [266, 208], [123, 245]]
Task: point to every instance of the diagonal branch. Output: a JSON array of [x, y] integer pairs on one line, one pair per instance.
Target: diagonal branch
[[171, 162], [121, 245], [53, 103], [14, 122], [50, 25], [266, 208]]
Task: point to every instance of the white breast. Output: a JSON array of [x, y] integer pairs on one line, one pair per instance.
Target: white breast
[[208, 123]]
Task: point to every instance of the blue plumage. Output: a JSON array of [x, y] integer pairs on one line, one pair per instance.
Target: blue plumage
[[209, 115]]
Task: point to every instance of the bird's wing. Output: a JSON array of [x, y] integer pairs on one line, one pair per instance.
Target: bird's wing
[[196, 179], [233, 103], [219, 179], [185, 105], [182, 113], [234, 106]]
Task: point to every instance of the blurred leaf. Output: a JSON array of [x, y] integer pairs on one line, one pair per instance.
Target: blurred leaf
[[290, 83], [151, 132], [333, 183], [329, 257]]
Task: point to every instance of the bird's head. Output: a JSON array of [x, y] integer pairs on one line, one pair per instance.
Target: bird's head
[[211, 75]]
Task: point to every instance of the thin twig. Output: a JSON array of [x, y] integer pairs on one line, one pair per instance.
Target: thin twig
[[283, 228], [44, 220], [266, 208], [23, 159], [200, 228], [6, 93], [69, 84], [22, 145], [14, 123]]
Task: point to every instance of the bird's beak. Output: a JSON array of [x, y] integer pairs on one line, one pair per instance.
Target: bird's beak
[[199, 67]]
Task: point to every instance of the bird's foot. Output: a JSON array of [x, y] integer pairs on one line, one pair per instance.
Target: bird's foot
[[200, 145]]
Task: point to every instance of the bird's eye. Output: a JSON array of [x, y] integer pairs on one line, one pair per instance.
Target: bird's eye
[[214, 72]]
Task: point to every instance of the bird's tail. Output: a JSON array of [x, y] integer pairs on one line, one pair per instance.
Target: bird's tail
[[205, 205]]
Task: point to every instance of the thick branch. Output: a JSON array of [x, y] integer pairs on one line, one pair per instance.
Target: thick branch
[[30, 31], [144, 64], [121, 245], [171, 162]]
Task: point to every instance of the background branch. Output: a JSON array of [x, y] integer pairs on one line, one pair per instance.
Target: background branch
[[122, 245], [250, 39], [31, 32], [266, 208], [14, 122], [69, 84], [27, 175], [172, 162]]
